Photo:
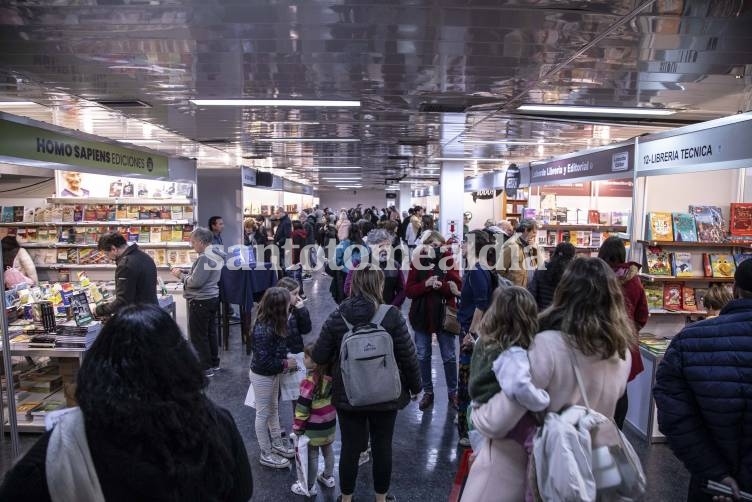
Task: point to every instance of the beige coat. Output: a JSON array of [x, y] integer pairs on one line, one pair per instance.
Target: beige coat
[[517, 261], [24, 263], [498, 472]]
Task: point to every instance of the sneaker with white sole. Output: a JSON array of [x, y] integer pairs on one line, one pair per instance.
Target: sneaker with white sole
[[281, 447], [297, 489], [365, 457], [329, 482], [271, 459]]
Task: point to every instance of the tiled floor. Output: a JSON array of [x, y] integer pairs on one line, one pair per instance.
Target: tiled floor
[[425, 445]]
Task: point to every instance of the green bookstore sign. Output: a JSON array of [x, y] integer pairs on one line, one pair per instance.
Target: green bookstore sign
[[35, 143]]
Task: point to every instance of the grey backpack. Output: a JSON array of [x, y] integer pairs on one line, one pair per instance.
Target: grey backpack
[[366, 358]]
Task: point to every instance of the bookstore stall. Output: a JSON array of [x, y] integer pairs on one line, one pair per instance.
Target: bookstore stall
[[427, 198], [264, 192], [59, 191], [582, 198], [692, 227], [495, 196]]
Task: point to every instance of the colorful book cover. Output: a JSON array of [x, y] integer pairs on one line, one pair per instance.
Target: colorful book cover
[[177, 212], [722, 265], [619, 218], [62, 256], [160, 257], [18, 214], [700, 298], [172, 257], [594, 217], [78, 213], [155, 233], [177, 233], [689, 302], [144, 236], [706, 265], [672, 296], [72, 255], [561, 214], [682, 262], [187, 231], [660, 227], [709, 222], [183, 258], [551, 236], [7, 214], [121, 212], [654, 294], [684, 227], [530, 213], [68, 212], [133, 233], [658, 260], [90, 213], [740, 219], [739, 258], [604, 218]]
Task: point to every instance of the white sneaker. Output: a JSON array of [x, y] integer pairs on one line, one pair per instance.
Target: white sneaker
[[270, 459], [329, 482], [281, 447], [298, 489], [365, 457]]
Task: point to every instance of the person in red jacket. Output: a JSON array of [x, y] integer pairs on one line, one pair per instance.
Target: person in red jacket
[[614, 253], [430, 289]]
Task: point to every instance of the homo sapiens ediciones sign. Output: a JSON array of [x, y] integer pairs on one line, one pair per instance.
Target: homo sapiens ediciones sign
[[23, 141]]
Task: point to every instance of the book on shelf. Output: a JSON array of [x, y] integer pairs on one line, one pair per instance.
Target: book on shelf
[[121, 212], [541, 237], [187, 231], [182, 257], [619, 218], [659, 227], [740, 258], [68, 213], [658, 261], [682, 264], [594, 217], [700, 298], [707, 269], [722, 265], [133, 234], [177, 212], [172, 257], [160, 257], [551, 237], [155, 234], [18, 214], [604, 218], [530, 213], [654, 294], [689, 302], [7, 214], [740, 219], [709, 223], [561, 214], [684, 227], [672, 296], [144, 236], [596, 238], [177, 233]]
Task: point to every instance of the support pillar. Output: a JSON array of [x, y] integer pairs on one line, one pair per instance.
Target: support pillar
[[405, 198], [451, 200]]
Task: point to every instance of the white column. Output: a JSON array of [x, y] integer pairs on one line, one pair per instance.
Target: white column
[[404, 197], [451, 201]]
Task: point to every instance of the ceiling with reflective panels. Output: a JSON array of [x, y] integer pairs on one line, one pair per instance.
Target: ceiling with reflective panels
[[132, 69]]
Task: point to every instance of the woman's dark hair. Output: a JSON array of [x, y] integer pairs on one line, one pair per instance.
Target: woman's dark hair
[[321, 369], [354, 235], [141, 386], [365, 227], [273, 310], [589, 309], [297, 225], [10, 250], [560, 259], [613, 251]]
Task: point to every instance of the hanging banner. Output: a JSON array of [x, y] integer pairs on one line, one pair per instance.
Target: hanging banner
[[512, 180], [704, 147], [249, 176], [610, 162], [615, 188], [23, 141]]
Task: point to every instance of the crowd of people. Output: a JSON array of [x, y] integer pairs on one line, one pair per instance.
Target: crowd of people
[[518, 337]]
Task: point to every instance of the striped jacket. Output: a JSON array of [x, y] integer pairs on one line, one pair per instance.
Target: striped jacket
[[314, 413]]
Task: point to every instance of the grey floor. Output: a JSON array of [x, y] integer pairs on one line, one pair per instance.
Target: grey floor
[[425, 444]]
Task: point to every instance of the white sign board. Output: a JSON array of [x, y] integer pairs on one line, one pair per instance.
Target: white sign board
[[249, 176], [727, 146]]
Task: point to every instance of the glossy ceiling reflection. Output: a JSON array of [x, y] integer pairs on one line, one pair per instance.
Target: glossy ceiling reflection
[[403, 60]]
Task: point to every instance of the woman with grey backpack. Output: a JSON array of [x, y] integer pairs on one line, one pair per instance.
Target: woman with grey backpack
[[375, 372]]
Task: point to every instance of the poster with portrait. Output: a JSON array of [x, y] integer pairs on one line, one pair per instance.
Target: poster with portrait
[[77, 184]]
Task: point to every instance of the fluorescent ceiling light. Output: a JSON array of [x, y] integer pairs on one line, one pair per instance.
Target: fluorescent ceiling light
[[140, 141], [513, 142], [335, 167], [308, 140], [596, 110], [277, 102], [17, 103], [463, 159]]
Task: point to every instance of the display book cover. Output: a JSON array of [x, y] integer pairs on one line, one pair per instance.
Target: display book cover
[[722, 265], [659, 227], [80, 308], [684, 227], [654, 294], [658, 261], [740, 220], [682, 264], [709, 222], [672, 296]]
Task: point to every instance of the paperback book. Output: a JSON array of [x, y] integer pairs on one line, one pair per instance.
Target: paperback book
[[683, 264], [722, 265], [709, 222], [654, 294], [688, 299], [660, 227], [672, 296], [741, 219], [684, 227], [658, 260]]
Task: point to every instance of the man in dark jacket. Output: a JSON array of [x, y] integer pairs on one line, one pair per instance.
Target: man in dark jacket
[[310, 227], [282, 235], [135, 275], [703, 393]]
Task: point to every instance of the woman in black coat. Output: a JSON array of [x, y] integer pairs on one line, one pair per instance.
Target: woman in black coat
[[376, 421], [545, 280]]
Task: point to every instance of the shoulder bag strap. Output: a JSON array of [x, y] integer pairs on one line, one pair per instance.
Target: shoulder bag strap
[[380, 314], [578, 377]]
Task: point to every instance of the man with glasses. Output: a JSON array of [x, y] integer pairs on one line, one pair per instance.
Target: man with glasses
[[135, 275]]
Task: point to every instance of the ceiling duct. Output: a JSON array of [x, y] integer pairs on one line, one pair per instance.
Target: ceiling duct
[[123, 103], [412, 141]]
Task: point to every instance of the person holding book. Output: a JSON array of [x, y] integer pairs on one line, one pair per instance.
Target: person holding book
[[703, 393], [135, 274], [270, 359], [316, 417], [144, 428], [614, 253], [201, 291]]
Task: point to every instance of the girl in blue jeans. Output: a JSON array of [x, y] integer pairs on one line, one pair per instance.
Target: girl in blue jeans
[[430, 284]]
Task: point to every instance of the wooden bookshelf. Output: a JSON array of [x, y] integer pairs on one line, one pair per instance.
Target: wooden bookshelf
[[577, 248], [133, 201], [677, 312], [705, 245]]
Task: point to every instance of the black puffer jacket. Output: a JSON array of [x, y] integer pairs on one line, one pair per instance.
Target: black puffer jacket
[[703, 392], [298, 324], [359, 311]]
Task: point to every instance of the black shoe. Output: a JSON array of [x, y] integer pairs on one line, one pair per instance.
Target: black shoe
[[426, 402]]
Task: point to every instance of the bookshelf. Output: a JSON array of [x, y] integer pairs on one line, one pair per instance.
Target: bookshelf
[[91, 201], [672, 278], [590, 227], [702, 245]]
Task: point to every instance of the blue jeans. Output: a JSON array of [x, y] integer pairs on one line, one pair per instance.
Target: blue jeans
[[448, 348]]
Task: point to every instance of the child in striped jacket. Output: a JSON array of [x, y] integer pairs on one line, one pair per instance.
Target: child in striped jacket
[[316, 417]]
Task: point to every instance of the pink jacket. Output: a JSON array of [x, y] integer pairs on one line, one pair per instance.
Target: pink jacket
[[498, 472]]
